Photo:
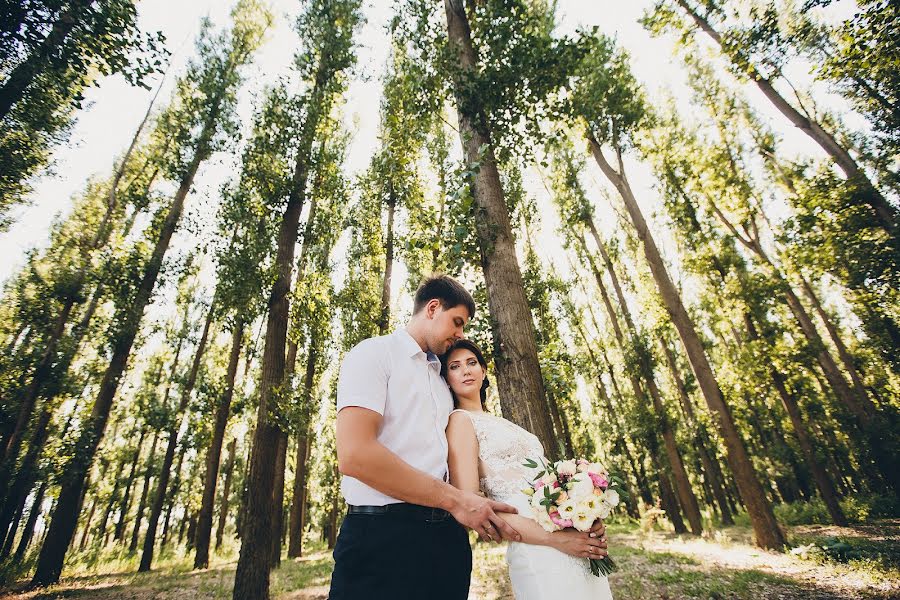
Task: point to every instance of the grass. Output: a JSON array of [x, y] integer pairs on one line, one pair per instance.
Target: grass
[[860, 562]]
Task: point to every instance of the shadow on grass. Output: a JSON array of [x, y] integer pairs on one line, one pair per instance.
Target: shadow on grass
[[209, 584]]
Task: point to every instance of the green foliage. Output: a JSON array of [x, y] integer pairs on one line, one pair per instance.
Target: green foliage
[[104, 40]]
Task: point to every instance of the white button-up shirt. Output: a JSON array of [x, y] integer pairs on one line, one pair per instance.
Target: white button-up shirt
[[392, 376]]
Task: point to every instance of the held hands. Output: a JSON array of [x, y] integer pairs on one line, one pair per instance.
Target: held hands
[[581, 544], [480, 514]]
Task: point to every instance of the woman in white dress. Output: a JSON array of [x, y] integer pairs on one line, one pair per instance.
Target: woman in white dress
[[486, 454]]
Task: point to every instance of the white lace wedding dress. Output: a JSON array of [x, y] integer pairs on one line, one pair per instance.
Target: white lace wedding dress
[[536, 572]]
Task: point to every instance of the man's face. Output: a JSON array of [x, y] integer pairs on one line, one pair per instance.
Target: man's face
[[446, 325]]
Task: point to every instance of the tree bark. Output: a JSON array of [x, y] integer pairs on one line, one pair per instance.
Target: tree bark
[[278, 498], [702, 442], [519, 382], [765, 527], [884, 214], [223, 410]]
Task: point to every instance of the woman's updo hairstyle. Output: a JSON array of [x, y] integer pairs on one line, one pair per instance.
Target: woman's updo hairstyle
[[474, 349]]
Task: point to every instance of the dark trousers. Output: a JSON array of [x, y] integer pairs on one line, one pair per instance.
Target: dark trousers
[[401, 557]]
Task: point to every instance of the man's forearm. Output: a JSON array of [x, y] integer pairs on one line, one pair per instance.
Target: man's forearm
[[379, 468]]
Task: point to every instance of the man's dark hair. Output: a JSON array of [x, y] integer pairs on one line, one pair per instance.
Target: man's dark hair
[[449, 291]]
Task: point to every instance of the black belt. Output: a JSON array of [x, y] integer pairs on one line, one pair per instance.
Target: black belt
[[402, 509]]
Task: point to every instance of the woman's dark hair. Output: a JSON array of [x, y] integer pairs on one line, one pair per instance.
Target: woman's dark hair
[[472, 347]]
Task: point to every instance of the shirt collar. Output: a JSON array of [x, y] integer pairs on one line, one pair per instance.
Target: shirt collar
[[411, 348]]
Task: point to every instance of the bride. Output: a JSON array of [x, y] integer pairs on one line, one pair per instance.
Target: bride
[[486, 454]]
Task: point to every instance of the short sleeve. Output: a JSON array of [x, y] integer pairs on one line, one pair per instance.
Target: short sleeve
[[363, 377]]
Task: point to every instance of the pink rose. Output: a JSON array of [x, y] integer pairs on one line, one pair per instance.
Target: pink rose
[[599, 481], [559, 521]]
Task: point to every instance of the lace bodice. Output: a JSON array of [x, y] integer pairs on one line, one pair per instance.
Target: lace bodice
[[502, 448]]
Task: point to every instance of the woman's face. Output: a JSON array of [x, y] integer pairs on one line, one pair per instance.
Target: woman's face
[[464, 373]]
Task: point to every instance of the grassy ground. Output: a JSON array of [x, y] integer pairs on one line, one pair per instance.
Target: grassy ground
[[859, 562]]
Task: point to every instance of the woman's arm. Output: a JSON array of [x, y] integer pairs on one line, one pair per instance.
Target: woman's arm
[[569, 541], [462, 462]]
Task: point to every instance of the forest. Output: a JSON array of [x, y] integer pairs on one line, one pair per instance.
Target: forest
[[686, 264]]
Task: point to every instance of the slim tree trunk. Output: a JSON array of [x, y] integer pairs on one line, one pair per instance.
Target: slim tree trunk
[[686, 497], [884, 214], [715, 483], [298, 501], [28, 531], [385, 319], [252, 576], [172, 497], [126, 497], [278, 498], [226, 491], [223, 410], [765, 527], [521, 388], [62, 525], [163, 481], [145, 488]]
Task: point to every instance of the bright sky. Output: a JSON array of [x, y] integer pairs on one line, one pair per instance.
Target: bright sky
[[106, 126]]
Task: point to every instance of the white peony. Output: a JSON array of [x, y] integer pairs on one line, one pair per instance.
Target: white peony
[[611, 497], [603, 510], [580, 486], [566, 467], [549, 479], [582, 520], [567, 508]]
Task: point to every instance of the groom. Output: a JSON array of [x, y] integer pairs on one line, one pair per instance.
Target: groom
[[404, 536]]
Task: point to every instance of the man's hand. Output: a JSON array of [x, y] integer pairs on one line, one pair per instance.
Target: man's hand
[[480, 514]]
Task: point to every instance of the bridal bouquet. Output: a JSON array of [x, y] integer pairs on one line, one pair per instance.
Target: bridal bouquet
[[573, 493]]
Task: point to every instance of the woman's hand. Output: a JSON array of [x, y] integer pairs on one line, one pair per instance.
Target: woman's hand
[[578, 543]]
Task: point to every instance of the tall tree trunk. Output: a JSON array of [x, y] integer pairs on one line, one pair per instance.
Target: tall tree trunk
[[304, 447], [521, 388], [25, 72], [252, 576], [702, 442], [223, 410], [765, 527], [33, 514], [884, 214], [145, 488], [384, 320], [172, 497], [62, 525], [126, 497], [163, 481], [87, 524], [226, 491], [278, 498], [686, 497], [297, 522]]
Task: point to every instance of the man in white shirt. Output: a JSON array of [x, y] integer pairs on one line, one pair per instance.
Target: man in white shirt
[[403, 537]]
